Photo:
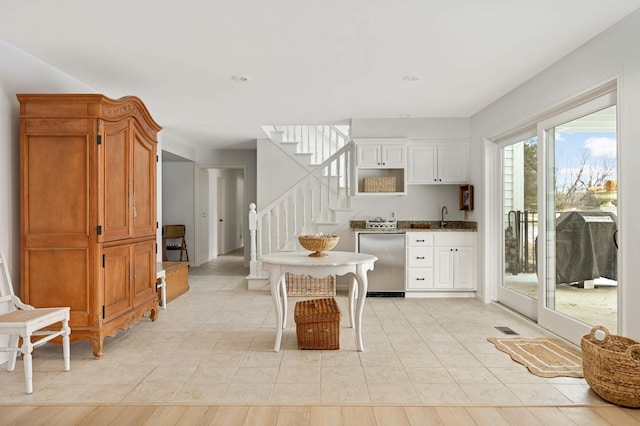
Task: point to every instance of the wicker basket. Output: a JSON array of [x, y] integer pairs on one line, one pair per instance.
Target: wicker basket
[[306, 285], [612, 367], [318, 324], [379, 184], [318, 245]]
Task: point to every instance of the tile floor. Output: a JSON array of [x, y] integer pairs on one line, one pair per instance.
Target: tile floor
[[214, 344]]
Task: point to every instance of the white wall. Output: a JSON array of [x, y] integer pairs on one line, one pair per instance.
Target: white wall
[[439, 129], [612, 54], [277, 172]]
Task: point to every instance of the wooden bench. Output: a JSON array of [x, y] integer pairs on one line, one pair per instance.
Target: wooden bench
[[176, 278]]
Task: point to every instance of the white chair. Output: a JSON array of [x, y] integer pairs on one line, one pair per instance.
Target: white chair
[[24, 321]]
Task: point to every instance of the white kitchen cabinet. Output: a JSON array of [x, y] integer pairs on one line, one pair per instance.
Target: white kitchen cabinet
[[387, 153], [381, 158], [419, 261], [437, 163], [454, 261]]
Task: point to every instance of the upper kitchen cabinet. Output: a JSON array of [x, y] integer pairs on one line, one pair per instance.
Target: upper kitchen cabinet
[[385, 153], [437, 163], [381, 166]]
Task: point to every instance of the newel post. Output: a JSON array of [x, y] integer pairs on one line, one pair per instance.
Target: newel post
[[253, 226]]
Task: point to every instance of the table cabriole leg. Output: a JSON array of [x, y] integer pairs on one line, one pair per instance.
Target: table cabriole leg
[[361, 277], [353, 294], [274, 282], [285, 305]]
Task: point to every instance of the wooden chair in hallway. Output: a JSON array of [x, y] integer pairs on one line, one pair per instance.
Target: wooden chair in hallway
[[173, 239], [21, 321]]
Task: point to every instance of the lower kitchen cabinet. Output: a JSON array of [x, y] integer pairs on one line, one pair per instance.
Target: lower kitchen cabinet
[[419, 261], [441, 261], [455, 261]]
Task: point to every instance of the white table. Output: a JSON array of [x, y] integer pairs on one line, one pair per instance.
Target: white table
[[336, 263]]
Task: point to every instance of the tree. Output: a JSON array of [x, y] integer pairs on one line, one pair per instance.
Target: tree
[[531, 174], [572, 192]]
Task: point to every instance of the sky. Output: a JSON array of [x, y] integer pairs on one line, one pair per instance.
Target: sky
[[599, 149]]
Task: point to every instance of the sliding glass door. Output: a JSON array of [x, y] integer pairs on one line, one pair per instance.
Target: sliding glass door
[[559, 219], [519, 287], [579, 285]]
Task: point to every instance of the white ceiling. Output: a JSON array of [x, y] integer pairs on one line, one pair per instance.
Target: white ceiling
[[308, 62]]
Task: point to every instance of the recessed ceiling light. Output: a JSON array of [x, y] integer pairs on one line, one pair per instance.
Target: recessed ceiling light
[[238, 77], [411, 77], [404, 115]]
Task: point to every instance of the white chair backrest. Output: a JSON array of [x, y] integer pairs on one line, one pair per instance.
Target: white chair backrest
[[6, 287]]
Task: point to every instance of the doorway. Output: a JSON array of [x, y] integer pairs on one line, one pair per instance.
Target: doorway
[[230, 211]]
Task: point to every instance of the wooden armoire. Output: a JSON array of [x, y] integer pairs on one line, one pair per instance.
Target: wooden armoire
[[88, 210]]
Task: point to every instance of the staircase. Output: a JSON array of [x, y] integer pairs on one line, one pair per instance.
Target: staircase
[[310, 145], [310, 206]]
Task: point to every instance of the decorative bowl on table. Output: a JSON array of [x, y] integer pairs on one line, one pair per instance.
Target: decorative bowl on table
[[318, 244]]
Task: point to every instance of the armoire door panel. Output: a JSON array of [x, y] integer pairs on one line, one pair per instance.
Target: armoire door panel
[[116, 281], [115, 181], [143, 185], [144, 261], [56, 203], [58, 277]]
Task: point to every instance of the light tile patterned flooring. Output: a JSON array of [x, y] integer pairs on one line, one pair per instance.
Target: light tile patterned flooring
[[214, 344]]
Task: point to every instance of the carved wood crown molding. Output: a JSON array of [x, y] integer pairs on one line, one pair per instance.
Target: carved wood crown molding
[[130, 109]]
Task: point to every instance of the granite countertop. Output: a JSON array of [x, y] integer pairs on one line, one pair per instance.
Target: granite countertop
[[420, 226]]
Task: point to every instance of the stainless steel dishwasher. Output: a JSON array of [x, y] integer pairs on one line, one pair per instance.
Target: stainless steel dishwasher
[[387, 277]]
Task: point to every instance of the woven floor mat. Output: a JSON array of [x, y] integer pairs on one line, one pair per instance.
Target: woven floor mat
[[543, 356]]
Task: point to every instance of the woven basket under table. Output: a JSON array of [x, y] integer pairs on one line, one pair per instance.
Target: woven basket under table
[[306, 285], [318, 324], [612, 367]]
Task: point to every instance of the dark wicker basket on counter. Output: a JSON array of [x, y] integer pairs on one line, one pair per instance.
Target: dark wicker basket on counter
[[612, 367], [318, 324]]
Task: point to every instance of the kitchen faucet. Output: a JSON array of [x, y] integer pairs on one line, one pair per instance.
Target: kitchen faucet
[[442, 213]]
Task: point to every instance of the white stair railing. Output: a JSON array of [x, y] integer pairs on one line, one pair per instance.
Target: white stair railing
[[311, 201], [321, 141]]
